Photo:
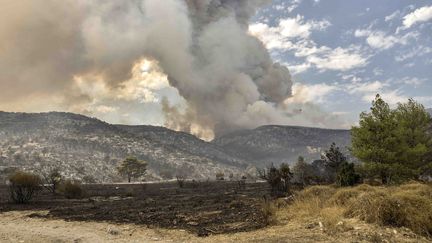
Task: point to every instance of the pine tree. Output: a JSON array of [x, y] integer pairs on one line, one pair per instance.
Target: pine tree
[[333, 159], [393, 144], [131, 167]]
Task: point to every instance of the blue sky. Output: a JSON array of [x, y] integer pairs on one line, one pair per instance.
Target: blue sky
[[341, 53]]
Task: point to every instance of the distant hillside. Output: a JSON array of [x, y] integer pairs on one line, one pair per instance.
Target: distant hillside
[[184, 142], [429, 110], [83, 146], [86, 146], [277, 144]]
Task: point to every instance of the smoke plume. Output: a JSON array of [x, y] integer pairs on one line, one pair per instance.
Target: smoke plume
[[69, 52]]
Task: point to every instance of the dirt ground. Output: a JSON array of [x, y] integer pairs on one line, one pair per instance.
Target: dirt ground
[[221, 212], [198, 208], [19, 226]]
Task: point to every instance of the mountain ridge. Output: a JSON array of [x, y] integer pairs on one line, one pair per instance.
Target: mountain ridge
[[83, 145]]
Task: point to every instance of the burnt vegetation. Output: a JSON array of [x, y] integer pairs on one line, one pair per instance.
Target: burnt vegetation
[[334, 188]]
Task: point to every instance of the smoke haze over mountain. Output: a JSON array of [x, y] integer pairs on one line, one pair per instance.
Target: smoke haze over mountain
[[194, 59]]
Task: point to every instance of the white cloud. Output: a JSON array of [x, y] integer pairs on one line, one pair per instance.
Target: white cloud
[[391, 97], [370, 87], [412, 81], [378, 71], [415, 52], [379, 39], [287, 30], [314, 93], [294, 5], [419, 15], [306, 48], [298, 68], [353, 78], [339, 59], [293, 34], [368, 90], [392, 16]]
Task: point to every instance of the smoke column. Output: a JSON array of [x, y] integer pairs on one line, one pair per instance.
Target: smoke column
[[225, 75]]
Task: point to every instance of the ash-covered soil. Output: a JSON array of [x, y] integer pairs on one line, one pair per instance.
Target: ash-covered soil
[[202, 208]]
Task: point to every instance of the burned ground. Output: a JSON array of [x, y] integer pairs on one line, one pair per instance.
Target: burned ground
[[202, 208]]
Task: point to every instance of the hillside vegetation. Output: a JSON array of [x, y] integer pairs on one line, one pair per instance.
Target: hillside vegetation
[[87, 147]]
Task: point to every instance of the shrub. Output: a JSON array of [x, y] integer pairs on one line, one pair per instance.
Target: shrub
[[407, 206], [52, 179], [398, 207], [23, 186], [321, 192], [72, 189], [332, 219], [303, 172], [279, 179], [180, 181], [346, 175], [220, 176], [310, 201], [345, 196]]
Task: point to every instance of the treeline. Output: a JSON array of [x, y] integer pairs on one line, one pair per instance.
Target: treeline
[[391, 146]]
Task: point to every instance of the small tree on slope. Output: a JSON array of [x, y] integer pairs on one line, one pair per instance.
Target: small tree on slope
[[131, 167]]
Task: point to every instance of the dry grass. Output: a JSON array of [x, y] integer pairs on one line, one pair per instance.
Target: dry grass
[[269, 210], [408, 205]]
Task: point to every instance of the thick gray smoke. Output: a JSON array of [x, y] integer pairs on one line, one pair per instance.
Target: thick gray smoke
[[224, 74], [232, 75]]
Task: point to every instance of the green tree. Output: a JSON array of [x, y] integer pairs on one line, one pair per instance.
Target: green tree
[[303, 172], [131, 167], [412, 133], [333, 159], [393, 143], [286, 176], [346, 175]]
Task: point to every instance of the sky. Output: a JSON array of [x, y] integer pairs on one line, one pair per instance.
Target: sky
[[341, 53], [209, 67]]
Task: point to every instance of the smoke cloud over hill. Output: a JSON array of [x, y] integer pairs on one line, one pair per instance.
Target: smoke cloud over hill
[[75, 53]]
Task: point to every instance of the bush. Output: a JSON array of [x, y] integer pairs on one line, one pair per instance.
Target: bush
[[346, 175], [23, 186], [72, 189], [345, 196], [220, 176], [52, 179], [180, 181], [397, 206], [279, 179], [409, 206]]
